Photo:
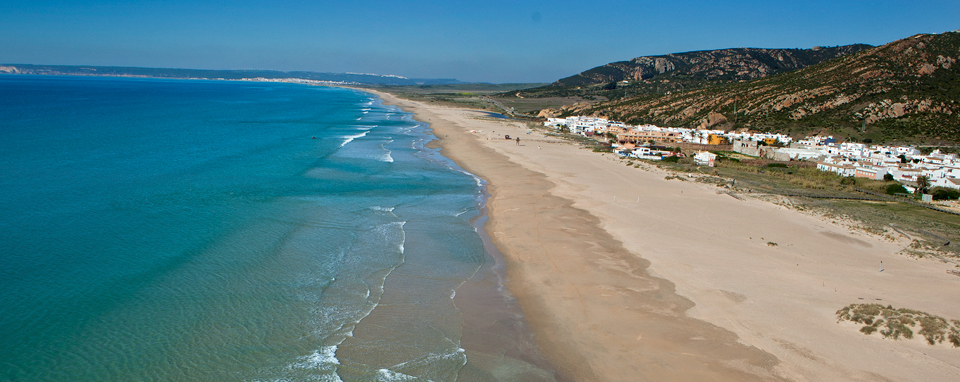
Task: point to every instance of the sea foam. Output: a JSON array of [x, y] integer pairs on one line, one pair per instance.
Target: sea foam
[[350, 138], [323, 360]]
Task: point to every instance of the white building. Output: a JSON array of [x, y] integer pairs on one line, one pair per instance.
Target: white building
[[581, 125], [705, 158]]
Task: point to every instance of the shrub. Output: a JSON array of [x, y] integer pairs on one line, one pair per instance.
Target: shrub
[[603, 149], [895, 323], [888, 177], [940, 193], [896, 188], [671, 159], [781, 165]]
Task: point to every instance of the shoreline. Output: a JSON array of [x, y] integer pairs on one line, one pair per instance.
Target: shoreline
[[643, 290], [496, 336], [552, 334]]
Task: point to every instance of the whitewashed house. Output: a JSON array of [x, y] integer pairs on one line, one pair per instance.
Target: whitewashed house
[[705, 158]]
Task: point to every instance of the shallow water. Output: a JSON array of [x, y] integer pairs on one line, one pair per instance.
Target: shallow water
[[160, 229]]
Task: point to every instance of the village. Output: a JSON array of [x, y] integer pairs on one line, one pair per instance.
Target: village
[[906, 165]]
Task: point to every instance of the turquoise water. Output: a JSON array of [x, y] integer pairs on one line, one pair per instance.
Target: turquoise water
[[212, 230]]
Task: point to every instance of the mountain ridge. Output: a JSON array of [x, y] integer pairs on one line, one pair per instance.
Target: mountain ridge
[[729, 63], [907, 89]]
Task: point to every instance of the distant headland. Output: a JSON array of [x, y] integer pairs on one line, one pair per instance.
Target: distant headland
[[117, 71]]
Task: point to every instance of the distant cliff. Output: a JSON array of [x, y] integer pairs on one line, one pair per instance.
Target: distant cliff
[[113, 71], [908, 89], [723, 64]]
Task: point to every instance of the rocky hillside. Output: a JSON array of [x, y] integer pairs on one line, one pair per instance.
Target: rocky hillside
[[723, 64], [905, 90], [658, 75]]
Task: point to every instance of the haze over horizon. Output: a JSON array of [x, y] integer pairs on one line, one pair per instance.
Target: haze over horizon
[[495, 41]]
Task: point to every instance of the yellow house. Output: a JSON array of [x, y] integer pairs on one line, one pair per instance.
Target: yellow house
[[714, 139]]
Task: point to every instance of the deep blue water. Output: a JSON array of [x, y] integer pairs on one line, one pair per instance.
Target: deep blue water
[[212, 230]]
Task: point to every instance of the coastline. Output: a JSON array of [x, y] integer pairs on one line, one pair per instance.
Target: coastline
[[596, 276]]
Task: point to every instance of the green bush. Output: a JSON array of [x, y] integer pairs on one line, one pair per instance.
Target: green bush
[[940, 193], [671, 159], [897, 188], [781, 165], [888, 177]]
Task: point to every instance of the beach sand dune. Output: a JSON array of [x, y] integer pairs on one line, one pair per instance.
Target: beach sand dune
[[626, 276]]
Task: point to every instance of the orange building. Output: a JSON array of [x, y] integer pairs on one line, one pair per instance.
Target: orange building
[[714, 139]]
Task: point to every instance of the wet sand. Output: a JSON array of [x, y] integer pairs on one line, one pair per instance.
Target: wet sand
[[674, 281]]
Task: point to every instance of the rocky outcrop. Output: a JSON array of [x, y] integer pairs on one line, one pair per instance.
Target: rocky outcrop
[[712, 119]]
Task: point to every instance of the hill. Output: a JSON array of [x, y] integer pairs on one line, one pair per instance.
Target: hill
[[906, 90], [724, 64], [650, 75], [113, 71]]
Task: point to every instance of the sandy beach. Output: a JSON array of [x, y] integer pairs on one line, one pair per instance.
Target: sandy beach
[[625, 276]]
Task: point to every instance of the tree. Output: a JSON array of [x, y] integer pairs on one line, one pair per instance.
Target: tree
[[888, 177], [940, 193], [923, 183]]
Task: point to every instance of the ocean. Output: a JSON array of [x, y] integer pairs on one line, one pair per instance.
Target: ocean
[[214, 230]]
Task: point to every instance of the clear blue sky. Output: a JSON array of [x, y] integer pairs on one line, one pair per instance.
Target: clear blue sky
[[488, 41]]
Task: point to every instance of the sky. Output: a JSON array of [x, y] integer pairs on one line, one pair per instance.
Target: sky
[[476, 41]]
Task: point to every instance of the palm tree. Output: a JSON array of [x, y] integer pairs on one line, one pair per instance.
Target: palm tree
[[923, 183]]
